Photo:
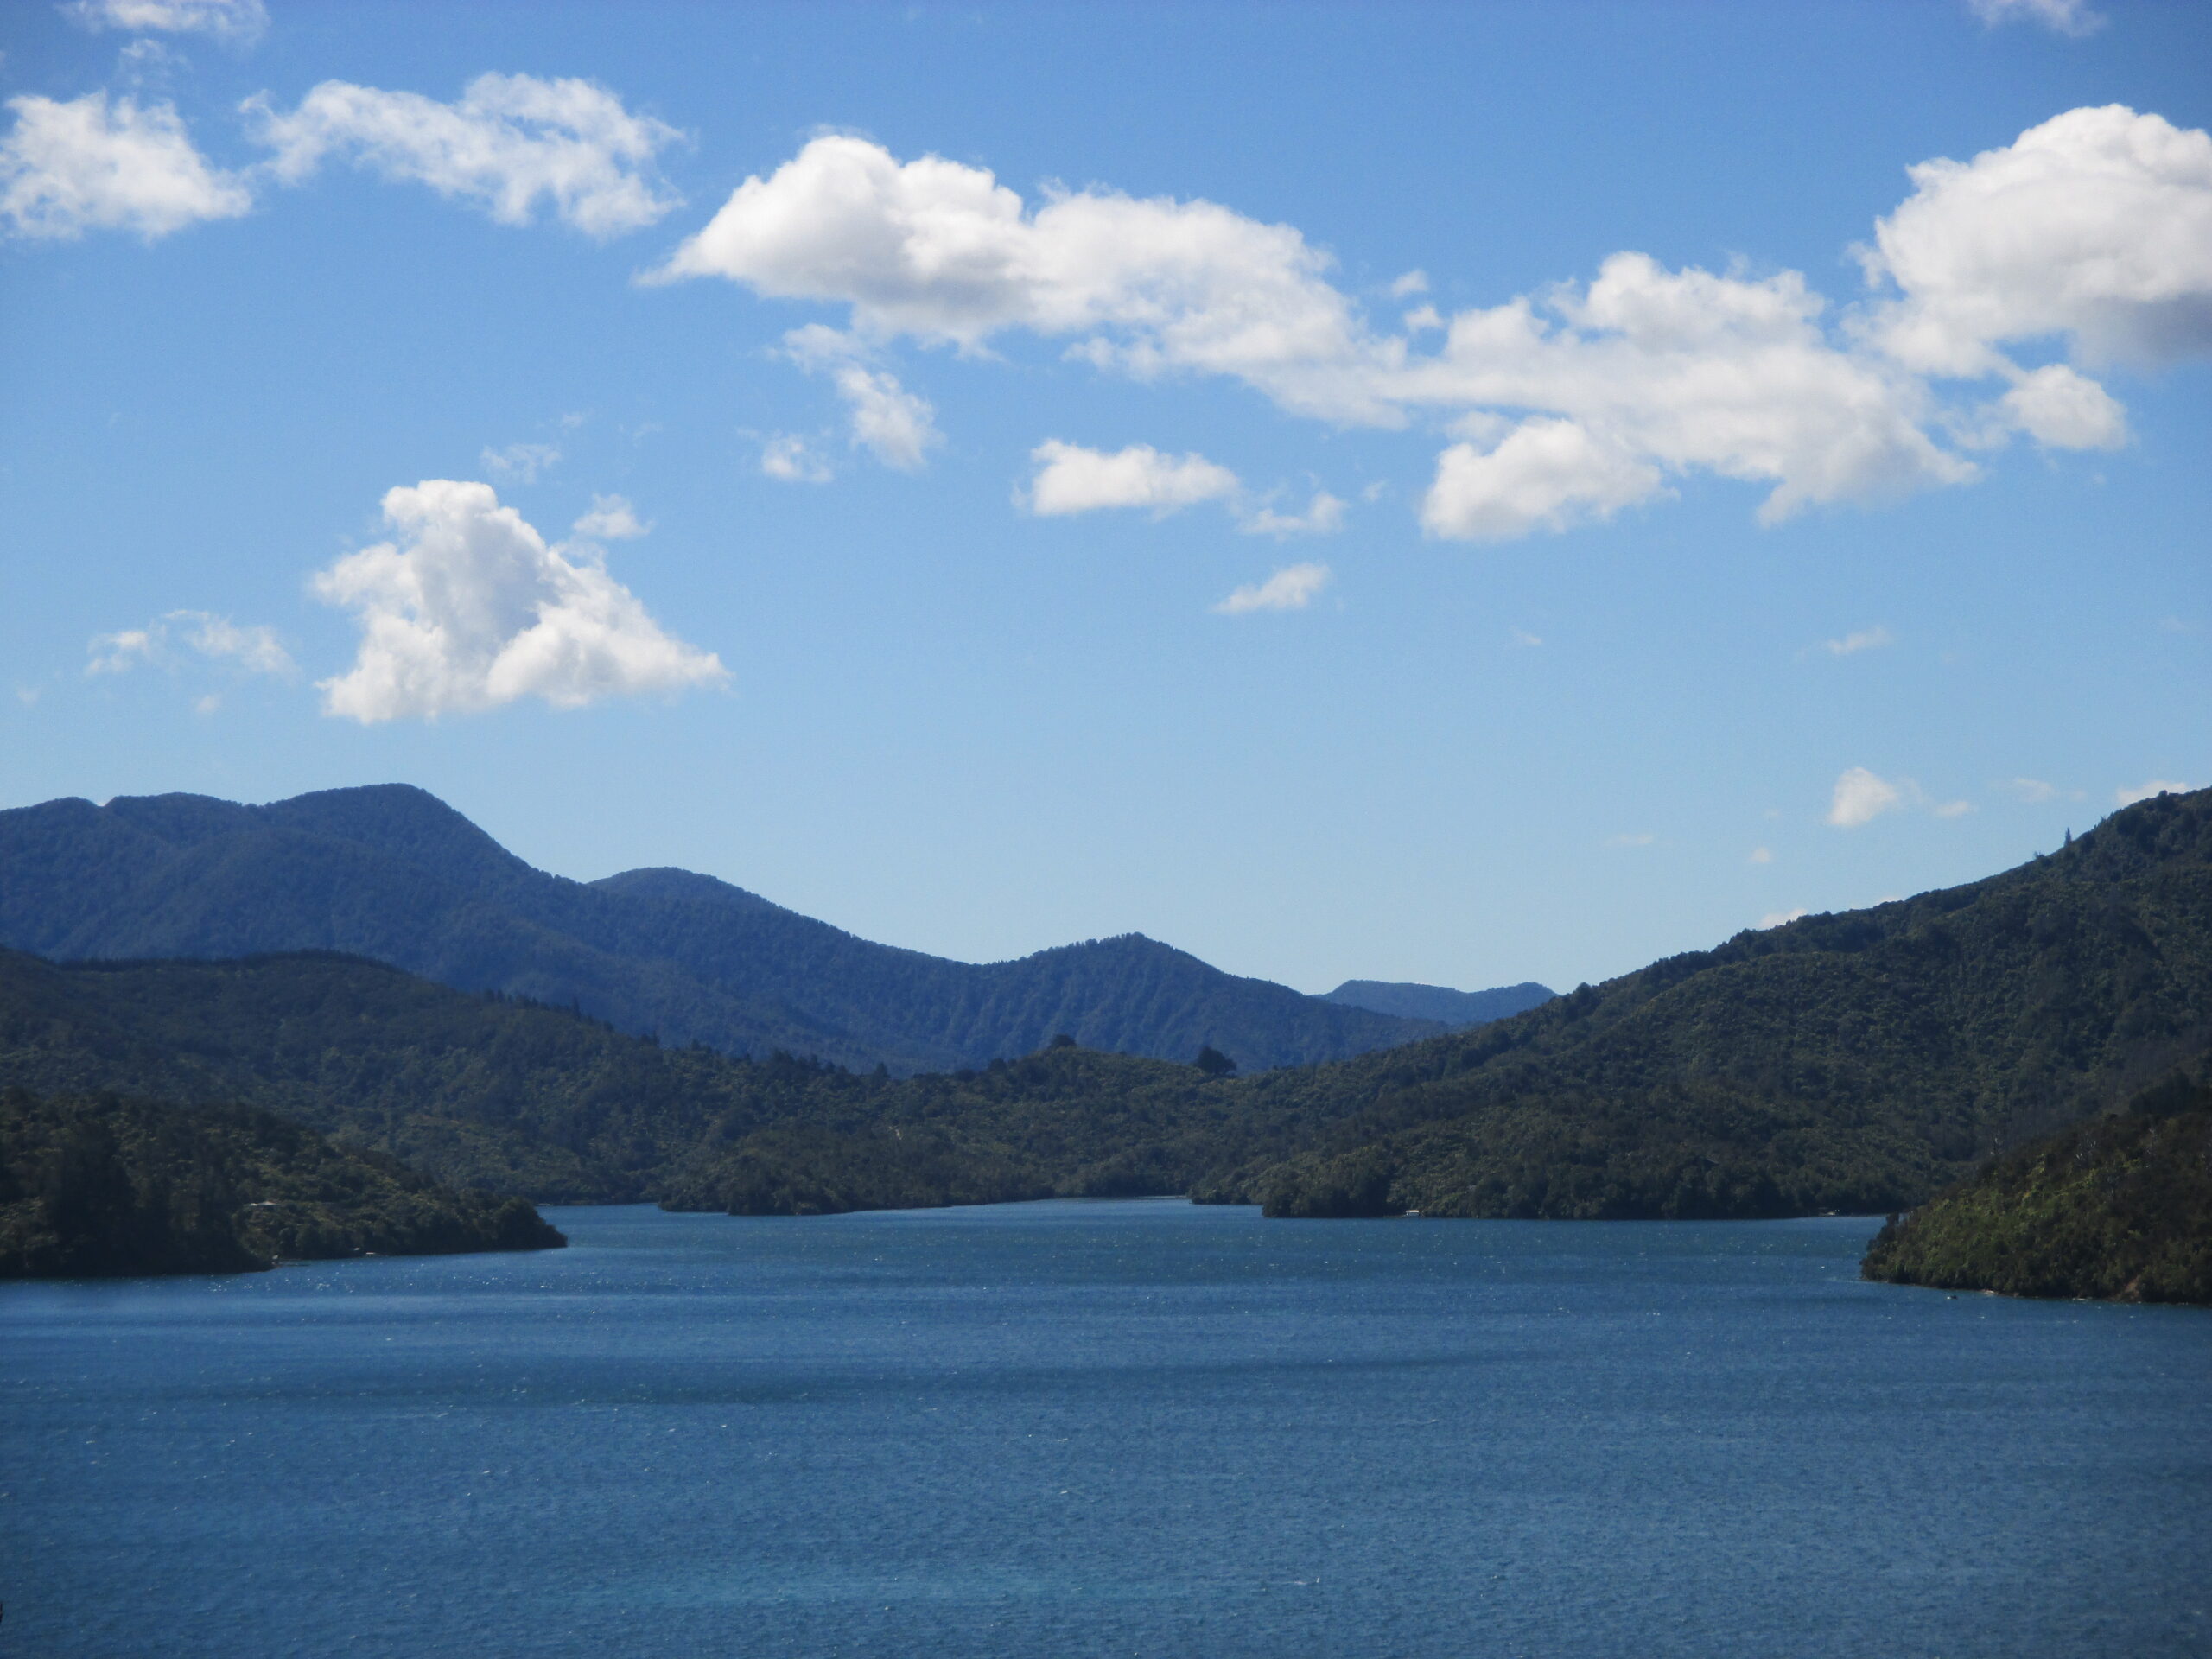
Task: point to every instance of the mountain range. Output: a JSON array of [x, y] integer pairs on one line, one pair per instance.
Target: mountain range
[[390, 873]]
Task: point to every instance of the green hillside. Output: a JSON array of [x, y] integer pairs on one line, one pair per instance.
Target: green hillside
[[97, 1186], [2119, 1207], [1850, 1062]]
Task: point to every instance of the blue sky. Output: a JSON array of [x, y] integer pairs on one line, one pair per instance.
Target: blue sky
[[1454, 493]]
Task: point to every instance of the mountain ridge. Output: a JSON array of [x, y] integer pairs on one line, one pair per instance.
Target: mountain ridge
[[390, 871]]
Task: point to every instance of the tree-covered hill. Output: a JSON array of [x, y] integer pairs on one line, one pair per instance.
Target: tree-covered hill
[[2119, 1207], [97, 1186], [392, 873], [1849, 1061]]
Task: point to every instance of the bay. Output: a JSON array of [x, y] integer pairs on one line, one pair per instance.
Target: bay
[[1137, 1427]]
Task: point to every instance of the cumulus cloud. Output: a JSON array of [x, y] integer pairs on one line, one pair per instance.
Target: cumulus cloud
[[507, 144], [2144, 792], [468, 608], [521, 463], [611, 518], [1323, 516], [898, 426], [1291, 588], [254, 649], [1070, 479], [1570, 404], [1872, 639], [942, 252], [789, 460], [1545, 474], [2067, 16], [2095, 228], [239, 21], [1413, 282], [1861, 797], [91, 164]]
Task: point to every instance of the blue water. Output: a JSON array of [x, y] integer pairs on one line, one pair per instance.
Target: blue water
[[1101, 1428]]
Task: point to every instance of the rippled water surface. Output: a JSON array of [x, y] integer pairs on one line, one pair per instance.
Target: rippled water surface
[[1101, 1428]]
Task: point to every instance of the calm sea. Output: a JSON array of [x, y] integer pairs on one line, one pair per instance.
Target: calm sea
[[1101, 1428]]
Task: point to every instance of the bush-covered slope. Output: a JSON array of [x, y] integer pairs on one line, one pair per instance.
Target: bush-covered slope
[[476, 1091], [96, 1185], [485, 1091], [2119, 1207], [1856, 1061], [392, 873]]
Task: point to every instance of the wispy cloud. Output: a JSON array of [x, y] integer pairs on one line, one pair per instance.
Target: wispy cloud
[[1781, 918], [2071, 17], [1291, 588], [1872, 639], [1639, 839], [2143, 791], [521, 463], [611, 518], [789, 459], [253, 649]]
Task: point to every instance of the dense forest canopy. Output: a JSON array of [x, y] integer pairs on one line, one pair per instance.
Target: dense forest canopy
[[96, 1185]]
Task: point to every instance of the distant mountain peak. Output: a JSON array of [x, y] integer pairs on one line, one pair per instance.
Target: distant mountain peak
[[1457, 1009]]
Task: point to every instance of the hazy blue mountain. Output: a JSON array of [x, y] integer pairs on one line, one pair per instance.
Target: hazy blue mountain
[[393, 873], [1457, 1009]]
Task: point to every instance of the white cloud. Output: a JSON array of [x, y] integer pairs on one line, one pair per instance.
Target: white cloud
[[1323, 516], [1952, 809], [2061, 410], [88, 164], [1291, 588], [1781, 918], [507, 143], [116, 653], [1872, 639], [468, 609], [521, 463], [2095, 227], [1070, 479], [611, 518], [2067, 16], [1861, 797], [1576, 402], [898, 426], [1762, 855], [787, 458], [1522, 638], [241, 21], [2144, 792], [253, 648], [1547, 474], [942, 252], [1413, 282], [2031, 790]]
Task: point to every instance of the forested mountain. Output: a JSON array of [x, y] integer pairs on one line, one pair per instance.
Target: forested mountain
[[1858, 1061], [480, 1091], [94, 1184], [392, 873], [1457, 1009], [1849, 1062], [2118, 1208]]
